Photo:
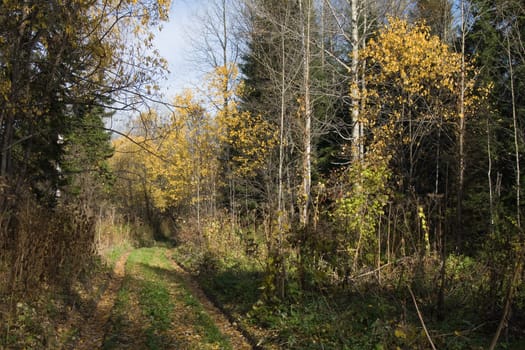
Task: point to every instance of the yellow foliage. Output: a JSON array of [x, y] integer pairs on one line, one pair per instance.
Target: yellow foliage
[[412, 77], [175, 158], [251, 136], [399, 333], [185, 151], [412, 60]]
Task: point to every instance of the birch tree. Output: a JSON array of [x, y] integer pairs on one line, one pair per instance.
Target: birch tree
[[306, 13]]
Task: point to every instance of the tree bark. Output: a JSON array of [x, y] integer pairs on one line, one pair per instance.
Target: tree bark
[[461, 134], [307, 135], [357, 147]]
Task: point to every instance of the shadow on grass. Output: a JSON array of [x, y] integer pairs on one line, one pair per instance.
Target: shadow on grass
[[368, 316], [141, 318], [234, 290]]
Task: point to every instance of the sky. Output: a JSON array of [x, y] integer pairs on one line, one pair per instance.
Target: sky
[[174, 45]]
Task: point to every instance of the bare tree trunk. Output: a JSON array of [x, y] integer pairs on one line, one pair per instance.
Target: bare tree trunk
[[508, 301], [322, 23], [6, 146], [229, 173], [354, 84], [516, 139], [199, 200], [307, 136], [489, 176], [280, 194], [363, 81], [461, 132], [280, 198]]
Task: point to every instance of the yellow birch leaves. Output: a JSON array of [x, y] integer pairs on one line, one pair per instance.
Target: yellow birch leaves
[[412, 78], [410, 58], [251, 137]]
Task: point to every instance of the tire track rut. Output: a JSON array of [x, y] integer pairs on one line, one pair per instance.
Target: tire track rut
[[237, 339], [93, 331]]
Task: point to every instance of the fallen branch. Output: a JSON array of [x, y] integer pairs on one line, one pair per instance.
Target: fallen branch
[[508, 300], [373, 271], [421, 319]]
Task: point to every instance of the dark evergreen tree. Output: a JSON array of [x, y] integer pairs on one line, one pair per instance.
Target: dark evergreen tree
[[437, 14], [494, 42]]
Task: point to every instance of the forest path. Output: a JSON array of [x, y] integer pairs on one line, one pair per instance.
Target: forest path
[[152, 303], [92, 332]]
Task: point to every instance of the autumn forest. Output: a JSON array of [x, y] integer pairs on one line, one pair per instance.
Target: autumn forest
[[346, 175]]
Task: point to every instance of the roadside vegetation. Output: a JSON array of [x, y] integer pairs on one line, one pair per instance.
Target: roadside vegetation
[[385, 309]]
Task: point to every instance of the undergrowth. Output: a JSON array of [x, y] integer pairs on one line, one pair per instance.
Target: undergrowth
[[51, 318], [46, 306], [370, 312]]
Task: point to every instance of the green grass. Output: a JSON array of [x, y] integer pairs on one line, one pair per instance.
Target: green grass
[[205, 324], [111, 256]]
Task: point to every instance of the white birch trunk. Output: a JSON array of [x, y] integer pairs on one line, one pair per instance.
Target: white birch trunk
[[354, 87], [307, 136]]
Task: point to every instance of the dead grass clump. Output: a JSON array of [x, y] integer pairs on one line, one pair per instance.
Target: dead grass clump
[[42, 245]]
